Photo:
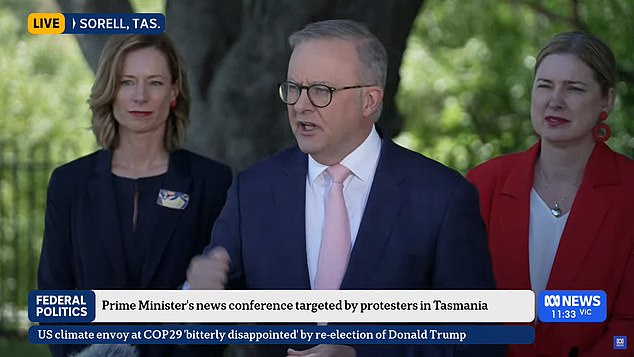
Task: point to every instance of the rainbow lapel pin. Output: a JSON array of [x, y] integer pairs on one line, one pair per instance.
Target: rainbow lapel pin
[[172, 199]]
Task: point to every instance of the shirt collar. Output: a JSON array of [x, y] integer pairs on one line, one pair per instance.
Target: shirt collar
[[360, 161]]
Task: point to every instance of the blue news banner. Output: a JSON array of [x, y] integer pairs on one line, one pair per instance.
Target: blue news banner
[[572, 306], [101, 23], [74, 307], [280, 334]]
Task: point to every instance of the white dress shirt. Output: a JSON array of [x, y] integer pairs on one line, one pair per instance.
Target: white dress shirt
[[356, 189], [544, 233]]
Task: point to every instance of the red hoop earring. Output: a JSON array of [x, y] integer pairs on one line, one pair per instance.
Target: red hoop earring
[[603, 115], [601, 132], [173, 104]]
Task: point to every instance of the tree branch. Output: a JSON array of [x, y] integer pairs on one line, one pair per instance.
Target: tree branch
[[626, 76], [540, 9], [576, 17], [91, 45], [203, 31]]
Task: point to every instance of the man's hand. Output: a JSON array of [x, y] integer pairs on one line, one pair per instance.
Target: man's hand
[[210, 271], [324, 351]]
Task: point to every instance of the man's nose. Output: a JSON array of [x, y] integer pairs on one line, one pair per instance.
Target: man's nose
[[303, 102]]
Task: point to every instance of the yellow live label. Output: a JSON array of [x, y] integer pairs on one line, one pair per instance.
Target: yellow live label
[[46, 23]]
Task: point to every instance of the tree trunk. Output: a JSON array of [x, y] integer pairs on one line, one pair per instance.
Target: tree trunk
[[91, 45], [236, 54]]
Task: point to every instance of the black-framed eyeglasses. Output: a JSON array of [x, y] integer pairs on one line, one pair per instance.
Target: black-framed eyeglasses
[[320, 95]]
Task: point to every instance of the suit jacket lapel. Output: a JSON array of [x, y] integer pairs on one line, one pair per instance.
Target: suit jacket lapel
[[511, 245], [290, 209], [177, 179], [103, 207], [378, 219]]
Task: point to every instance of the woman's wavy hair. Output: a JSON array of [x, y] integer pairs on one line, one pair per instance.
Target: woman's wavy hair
[[107, 83]]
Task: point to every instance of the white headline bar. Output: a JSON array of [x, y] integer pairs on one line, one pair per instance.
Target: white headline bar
[[298, 306]]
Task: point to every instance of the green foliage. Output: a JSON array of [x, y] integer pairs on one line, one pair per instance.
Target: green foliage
[[21, 347], [44, 85], [467, 74], [157, 6], [44, 121]]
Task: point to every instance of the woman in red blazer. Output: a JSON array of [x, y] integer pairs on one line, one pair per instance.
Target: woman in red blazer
[[559, 215]]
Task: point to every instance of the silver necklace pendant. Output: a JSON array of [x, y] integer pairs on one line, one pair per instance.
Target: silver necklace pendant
[[556, 211]]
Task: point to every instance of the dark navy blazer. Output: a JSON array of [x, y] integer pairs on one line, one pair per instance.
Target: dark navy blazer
[[421, 229], [82, 246]]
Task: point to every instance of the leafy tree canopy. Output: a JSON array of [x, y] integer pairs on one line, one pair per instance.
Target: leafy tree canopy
[[467, 73]]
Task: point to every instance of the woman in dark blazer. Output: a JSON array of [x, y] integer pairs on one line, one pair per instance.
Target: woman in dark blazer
[[559, 215], [132, 215]]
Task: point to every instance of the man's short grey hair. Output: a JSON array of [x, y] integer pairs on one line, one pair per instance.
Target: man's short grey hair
[[372, 53]]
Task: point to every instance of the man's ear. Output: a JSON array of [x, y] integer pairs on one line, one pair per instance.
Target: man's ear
[[372, 99]]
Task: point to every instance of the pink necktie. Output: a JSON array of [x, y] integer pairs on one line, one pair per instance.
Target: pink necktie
[[335, 241]]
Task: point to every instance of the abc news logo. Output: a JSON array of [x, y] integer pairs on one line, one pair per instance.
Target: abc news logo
[[572, 300]]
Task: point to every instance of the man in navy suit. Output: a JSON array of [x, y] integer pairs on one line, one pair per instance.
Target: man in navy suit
[[412, 222]]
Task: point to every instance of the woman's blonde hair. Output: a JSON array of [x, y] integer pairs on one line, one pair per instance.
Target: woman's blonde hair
[[589, 49], [107, 82]]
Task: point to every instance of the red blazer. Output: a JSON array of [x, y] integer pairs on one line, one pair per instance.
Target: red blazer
[[596, 250]]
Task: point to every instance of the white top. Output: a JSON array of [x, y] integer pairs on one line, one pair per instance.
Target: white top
[[544, 233], [356, 189]]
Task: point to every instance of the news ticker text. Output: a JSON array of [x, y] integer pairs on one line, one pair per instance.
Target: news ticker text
[[276, 334]]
